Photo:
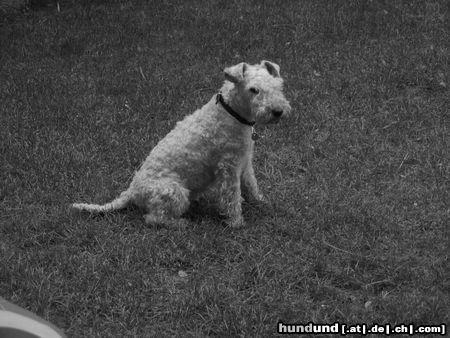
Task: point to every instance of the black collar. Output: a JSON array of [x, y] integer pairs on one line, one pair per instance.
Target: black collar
[[219, 98]]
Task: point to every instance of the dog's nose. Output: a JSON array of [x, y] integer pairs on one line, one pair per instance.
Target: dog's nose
[[277, 112]]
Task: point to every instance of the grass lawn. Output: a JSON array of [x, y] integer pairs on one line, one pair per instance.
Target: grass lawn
[[357, 229]]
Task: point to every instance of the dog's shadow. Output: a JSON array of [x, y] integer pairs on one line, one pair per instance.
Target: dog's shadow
[[204, 209]]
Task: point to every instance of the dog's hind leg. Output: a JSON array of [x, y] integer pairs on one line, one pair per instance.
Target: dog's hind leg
[[165, 201]]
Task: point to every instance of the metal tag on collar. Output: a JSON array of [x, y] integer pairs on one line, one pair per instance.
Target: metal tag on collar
[[255, 136]]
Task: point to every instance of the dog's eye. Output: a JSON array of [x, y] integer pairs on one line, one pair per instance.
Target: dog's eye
[[254, 90]]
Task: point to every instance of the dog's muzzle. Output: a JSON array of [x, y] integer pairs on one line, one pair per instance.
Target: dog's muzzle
[[280, 112], [277, 113]]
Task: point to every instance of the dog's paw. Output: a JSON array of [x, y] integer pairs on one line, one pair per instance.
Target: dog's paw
[[236, 223], [261, 198]]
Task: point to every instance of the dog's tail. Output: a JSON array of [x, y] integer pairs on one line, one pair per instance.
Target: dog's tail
[[120, 202]]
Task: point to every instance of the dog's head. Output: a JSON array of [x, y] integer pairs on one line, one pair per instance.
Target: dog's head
[[256, 91]]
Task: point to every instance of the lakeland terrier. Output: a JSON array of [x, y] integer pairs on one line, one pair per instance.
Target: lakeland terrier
[[210, 150]]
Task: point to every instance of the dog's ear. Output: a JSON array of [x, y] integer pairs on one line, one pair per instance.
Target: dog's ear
[[236, 73], [272, 68]]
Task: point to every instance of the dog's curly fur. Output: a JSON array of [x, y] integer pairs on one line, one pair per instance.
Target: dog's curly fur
[[208, 151]]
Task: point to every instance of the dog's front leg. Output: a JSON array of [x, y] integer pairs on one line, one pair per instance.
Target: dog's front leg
[[230, 197], [249, 184]]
